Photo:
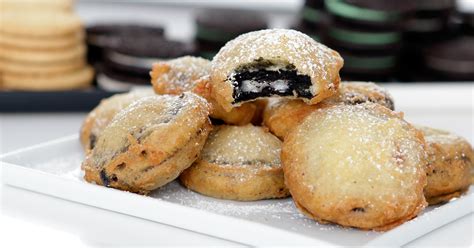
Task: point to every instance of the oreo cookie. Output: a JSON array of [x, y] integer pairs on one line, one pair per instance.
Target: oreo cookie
[[130, 58], [371, 14], [466, 13], [315, 33], [111, 79], [214, 27], [317, 4], [430, 23], [452, 60], [359, 39], [313, 19], [368, 67], [104, 35], [313, 15]]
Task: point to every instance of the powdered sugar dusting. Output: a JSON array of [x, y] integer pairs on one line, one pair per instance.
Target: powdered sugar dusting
[[242, 145], [309, 57], [148, 115], [440, 136], [373, 156], [279, 213], [179, 75], [108, 108]]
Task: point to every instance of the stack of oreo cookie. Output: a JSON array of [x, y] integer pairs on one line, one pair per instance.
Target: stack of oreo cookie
[[42, 46], [214, 27], [102, 36], [368, 35], [451, 60], [429, 24], [313, 19], [466, 12], [124, 53]]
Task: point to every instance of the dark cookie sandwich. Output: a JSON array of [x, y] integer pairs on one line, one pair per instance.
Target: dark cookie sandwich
[[130, 59], [101, 36], [371, 14], [452, 60]]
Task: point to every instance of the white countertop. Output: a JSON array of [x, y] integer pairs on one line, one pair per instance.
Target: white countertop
[[29, 218]]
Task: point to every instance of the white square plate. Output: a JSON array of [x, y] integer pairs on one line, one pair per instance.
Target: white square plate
[[54, 168]]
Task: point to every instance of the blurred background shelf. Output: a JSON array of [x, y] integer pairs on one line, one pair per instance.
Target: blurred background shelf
[[403, 60], [61, 101]]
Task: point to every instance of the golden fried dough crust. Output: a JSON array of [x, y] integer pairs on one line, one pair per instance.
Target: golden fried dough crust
[[356, 165], [450, 158], [282, 115], [285, 46], [101, 116], [191, 74], [238, 163], [149, 143]]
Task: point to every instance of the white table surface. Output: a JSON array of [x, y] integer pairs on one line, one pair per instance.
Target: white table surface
[[29, 218]]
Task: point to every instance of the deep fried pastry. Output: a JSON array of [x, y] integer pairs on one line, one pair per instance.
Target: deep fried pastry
[[191, 74], [149, 143], [356, 165], [282, 115], [274, 62], [238, 163], [450, 158], [101, 116]]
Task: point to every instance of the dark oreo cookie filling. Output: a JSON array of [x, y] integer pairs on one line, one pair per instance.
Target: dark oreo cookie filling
[[257, 80]]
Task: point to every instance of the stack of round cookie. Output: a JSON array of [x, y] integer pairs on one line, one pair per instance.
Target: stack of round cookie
[[313, 19], [42, 48], [101, 36], [429, 24], [451, 60], [368, 35], [214, 27], [127, 63], [466, 10]]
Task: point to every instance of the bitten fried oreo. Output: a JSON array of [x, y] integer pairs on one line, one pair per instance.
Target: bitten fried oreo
[[192, 74], [450, 158], [274, 62], [149, 143], [238, 163], [282, 115], [356, 165], [101, 116]]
